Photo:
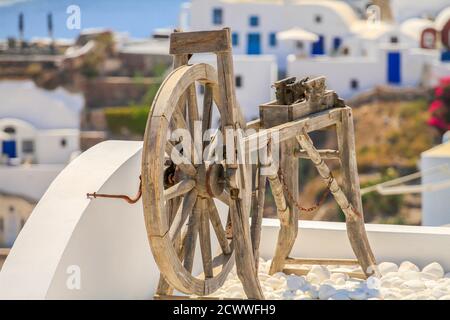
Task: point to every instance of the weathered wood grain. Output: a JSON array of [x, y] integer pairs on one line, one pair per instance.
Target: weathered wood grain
[[199, 42]]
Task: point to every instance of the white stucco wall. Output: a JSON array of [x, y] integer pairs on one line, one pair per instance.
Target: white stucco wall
[[435, 203], [405, 9], [30, 181], [274, 17], [43, 109], [57, 146], [369, 71], [340, 71], [105, 238], [257, 73]]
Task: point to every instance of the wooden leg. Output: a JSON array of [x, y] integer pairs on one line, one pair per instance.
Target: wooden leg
[[164, 287], [350, 181], [287, 212], [257, 216], [239, 209], [245, 265]]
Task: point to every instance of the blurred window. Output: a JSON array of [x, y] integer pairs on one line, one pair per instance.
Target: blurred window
[[238, 81], [28, 146], [273, 39], [394, 39], [217, 16], [235, 39], [254, 21], [10, 130]]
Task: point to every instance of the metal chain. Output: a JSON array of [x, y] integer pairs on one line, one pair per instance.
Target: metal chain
[[297, 204]]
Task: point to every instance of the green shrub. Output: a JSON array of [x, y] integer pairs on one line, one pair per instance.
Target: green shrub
[[376, 204], [130, 119]]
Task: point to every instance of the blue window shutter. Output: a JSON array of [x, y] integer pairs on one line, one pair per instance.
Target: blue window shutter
[[337, 43], [318, 46], [273, 39], [445, 56], [254, 43], [217, 16], [235, 39], [394, 68], [254, 21]]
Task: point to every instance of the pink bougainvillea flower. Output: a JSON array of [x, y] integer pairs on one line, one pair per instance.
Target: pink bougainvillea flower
[[444, 81], [439, 91], [438, 123], [435, 105]]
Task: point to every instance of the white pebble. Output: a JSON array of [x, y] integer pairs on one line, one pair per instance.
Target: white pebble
[[446, 297], [392, 296], [321, 272], [435, 269], [295, 282], [439, 292], [411, 275], [274, 283], [415, 285], [338, 275], [358, 294], [326, 291], [313, 293], [387, 267], [412, 296], [340, 295], [408, 266]]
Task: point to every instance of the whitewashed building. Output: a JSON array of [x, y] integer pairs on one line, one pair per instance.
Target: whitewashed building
[[333, 38], [435, 168], [39, 135], [253, 79]]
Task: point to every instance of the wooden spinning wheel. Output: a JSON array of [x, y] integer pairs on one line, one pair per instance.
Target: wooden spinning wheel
[[182, 190], [180, 200]]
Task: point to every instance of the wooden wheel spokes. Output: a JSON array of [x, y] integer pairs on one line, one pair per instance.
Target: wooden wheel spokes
[[178, 209]]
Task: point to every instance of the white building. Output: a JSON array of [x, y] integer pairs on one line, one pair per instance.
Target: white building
[[39, 135], [329, 37], [252, 88], [435, 167]]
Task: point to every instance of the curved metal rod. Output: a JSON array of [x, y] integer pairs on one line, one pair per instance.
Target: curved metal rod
[[119, 196]]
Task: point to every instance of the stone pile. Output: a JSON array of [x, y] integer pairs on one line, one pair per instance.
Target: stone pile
[[403, 282]]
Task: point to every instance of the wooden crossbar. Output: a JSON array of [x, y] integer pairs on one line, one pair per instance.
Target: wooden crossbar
[[321, 261], [200, 42], [304, 272]]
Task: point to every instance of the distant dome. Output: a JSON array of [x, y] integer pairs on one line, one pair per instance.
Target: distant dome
[[442, 24], [44, 109], [442, 19], [415, 26]]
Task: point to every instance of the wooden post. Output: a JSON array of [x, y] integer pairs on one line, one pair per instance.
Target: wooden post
[[287, 212], [238, 176], [355, 223]]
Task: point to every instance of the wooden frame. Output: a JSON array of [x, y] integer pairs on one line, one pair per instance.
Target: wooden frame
[[175, 106], [168, 205]]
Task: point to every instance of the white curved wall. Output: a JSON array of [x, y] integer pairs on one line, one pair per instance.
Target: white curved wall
[[105, 238]]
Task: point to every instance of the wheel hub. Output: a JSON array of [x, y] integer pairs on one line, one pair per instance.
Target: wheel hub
[[210, 180]]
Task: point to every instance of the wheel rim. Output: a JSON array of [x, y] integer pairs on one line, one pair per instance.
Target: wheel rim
[[162, 218]]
